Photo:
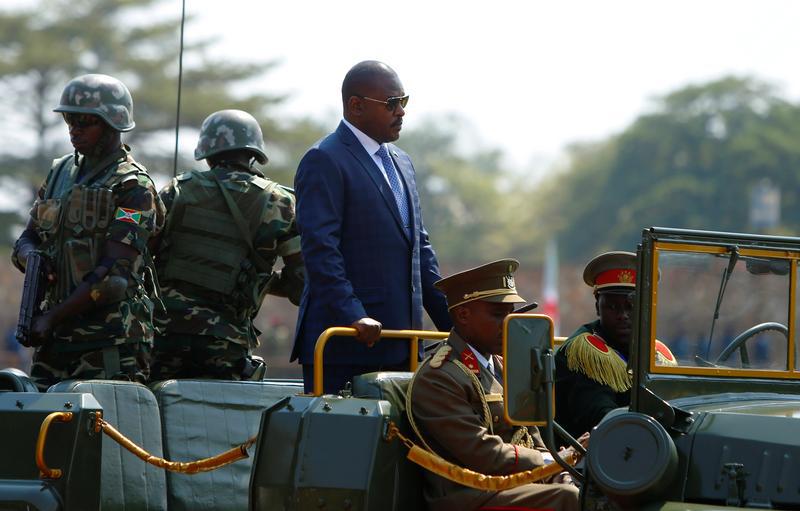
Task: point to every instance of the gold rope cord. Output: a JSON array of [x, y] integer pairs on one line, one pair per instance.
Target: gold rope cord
[[466, 477], [487, 414], [183, 467]]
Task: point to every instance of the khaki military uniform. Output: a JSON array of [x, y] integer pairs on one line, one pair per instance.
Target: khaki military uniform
[[449, 414], [76, 211], [211, 285]]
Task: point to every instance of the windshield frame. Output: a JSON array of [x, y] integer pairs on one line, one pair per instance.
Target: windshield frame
[[723, 249]]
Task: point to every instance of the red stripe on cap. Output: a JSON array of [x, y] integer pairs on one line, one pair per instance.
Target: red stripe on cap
[[624, 277]]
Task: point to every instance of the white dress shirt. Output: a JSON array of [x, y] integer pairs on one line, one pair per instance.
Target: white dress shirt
[[372, 147], [483, 361]]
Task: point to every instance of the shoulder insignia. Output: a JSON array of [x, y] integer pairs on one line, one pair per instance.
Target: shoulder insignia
[[494, 398], [130, 216], [287, 189], [664, 356], [469, 359], [589, 354], [441, 354]]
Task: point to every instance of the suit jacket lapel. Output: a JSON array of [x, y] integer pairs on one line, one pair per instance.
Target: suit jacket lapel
[[372, 170]]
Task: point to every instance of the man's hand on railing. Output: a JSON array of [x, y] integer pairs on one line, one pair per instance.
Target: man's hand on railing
[[369, 331]]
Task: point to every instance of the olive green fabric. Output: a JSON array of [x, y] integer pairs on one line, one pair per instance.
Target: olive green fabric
[[491, 282], [126, 482], [100, 95], [204, 247], [202, 418], [212, 284], [392, 387]]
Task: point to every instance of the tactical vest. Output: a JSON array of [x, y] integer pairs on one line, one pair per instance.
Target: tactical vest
[[203, 247], [72, 220]]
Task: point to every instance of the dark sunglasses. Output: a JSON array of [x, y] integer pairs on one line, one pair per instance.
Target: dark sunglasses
[[391, 102], [81, 120]]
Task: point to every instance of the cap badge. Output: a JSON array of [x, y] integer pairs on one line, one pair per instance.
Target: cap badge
[[509, 281], [626, 277]]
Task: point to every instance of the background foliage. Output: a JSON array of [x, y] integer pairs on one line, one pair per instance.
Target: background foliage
[[690, 161]]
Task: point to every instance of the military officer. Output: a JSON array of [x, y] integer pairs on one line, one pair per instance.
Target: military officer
[[457, 406], [225, 229], [92, 219], [592, 365]]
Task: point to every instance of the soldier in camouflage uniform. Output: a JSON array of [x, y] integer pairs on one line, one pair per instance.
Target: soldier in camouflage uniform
[[225, 229], [92, 219]]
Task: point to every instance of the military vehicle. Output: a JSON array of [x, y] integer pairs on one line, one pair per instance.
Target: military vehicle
[[717, 429], [713, 431]]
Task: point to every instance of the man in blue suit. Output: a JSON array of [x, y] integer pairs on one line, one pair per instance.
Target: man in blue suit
[[369, 261]]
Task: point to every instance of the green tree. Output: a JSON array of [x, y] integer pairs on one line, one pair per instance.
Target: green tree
[[462, 205], [54, 40], [51, 41], [690, 163]]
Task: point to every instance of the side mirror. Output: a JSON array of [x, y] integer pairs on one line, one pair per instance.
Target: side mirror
[[526, 339]]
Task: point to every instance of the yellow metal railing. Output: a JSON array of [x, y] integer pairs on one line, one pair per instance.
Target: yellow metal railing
[[411, 335], [46, 472]]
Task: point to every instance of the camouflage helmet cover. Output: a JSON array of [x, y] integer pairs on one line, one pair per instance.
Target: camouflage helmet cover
[[226, 130], [101, 95]]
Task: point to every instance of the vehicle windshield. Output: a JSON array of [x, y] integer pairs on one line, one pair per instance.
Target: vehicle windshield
[[724, 310]]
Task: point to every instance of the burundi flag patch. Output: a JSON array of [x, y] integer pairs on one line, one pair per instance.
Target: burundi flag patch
[[131, 216]]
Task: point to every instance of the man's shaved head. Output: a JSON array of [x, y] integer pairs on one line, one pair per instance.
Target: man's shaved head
[[364, 75], [365, 91]]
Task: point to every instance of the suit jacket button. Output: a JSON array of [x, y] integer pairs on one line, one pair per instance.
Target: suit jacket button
[[496, 418]]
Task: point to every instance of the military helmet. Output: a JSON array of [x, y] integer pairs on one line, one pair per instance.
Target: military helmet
[[226, 130], [101, 95]]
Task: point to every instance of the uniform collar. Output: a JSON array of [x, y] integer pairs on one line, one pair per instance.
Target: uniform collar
[[483, 361], [468, 355]]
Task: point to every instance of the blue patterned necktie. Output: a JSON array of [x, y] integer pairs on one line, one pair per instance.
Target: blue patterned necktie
[[394, 184]]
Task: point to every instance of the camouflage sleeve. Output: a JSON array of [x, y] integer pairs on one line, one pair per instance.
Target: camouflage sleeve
[[281, 225], [278, 234], [138, 214]]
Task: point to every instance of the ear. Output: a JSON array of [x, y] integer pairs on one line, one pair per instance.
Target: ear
[[354, 105]]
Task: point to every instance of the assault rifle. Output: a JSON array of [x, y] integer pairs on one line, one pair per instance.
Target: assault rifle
[[32, 296]]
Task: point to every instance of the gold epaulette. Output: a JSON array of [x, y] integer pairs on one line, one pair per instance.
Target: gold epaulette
[[589, 354], [664, 356]]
